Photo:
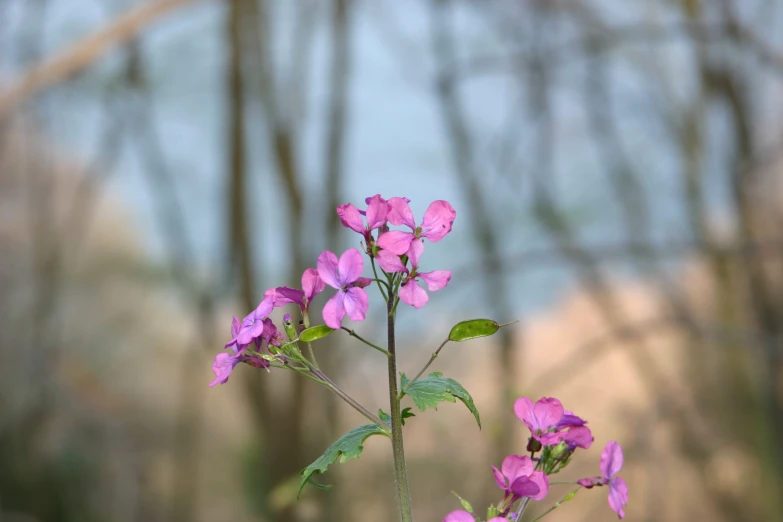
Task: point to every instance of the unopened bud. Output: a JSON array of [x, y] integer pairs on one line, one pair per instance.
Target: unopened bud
[[533, 445]]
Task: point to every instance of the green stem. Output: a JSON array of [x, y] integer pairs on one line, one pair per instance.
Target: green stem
[[365, 341], [556, 505], [377, 280], [312, 356], [326, 381], [400, 472], [432, 359]]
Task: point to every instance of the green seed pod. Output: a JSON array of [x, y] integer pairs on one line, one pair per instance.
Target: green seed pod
[[473, 329]]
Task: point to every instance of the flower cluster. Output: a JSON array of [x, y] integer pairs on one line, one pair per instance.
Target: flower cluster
[[555, 434], [256, 340]]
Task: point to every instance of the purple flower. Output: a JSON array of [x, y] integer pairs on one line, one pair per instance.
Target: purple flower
[[570, 420], [437, 222], [312, 285], [540, 418], [577, 437], [225, 362], [611, 463], [410, 292], [518, 478], [253, 326], [351, 217], [345, 276]]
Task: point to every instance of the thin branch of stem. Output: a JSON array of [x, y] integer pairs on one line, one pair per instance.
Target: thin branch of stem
[[365, 341], [556, 505], [350, 400], [378, 280], [432, 359]]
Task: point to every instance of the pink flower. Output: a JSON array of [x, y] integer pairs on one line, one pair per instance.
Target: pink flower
[[518, 478], [464, 516], [460, 516], [577, 437], [345, 276], [437, 222], [312, 285], [253, 325], [611, 463], [351, 217], [225, 363], [410, 291], [540, 418]]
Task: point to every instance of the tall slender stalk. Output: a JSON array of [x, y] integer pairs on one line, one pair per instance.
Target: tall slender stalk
[[400, 472]]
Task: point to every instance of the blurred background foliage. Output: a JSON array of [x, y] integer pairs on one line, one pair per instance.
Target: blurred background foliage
[[615, 168]]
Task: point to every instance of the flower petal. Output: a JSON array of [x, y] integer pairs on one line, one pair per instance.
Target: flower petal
[[350, 266], [390, 262], [500, 480], [362, 282], [377, 210], [312, 284], [400, 213], [411, 293], [414, 252], [222, 367], [579, 436], [265, 307], [437, 220], [618, 496], [611, 459], [524, 487], [285, 295], [515, 466], [235, 326], [523, 408], [548, 412], [436, 280], [356, 303], [350, 217], [396, 241], [569, 419], [334, 311], [327, 269], [459, 516], [542, 481]]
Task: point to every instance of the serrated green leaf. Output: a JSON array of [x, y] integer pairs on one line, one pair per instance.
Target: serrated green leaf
[[430, 391], [472, 329], [314, 333], [385, 417], [349, 446]]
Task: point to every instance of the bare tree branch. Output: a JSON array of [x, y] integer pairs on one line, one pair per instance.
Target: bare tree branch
[[84, 52]]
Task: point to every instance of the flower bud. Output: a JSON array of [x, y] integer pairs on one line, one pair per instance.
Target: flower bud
[[533, 445]]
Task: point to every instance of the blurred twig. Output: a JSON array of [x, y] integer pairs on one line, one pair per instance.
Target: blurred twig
[[84, 52], [485, 235]]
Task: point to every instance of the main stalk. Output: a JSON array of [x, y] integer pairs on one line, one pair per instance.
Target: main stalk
[[400, 471]]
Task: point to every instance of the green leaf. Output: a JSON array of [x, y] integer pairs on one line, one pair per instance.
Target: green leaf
[[406, 414], [473, 329], [314, 333], [465, 504], [349, 446], [385, 417], [429, 391]]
